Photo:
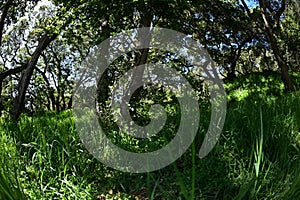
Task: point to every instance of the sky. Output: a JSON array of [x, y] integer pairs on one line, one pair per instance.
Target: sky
[[251, 3]]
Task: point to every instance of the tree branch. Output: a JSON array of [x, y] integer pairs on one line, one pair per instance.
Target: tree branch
[[246, 7], [16, 70], [280, 11], [3, 17]]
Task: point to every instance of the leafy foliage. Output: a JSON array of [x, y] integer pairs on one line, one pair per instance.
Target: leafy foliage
[[256, 50], [257, 157]]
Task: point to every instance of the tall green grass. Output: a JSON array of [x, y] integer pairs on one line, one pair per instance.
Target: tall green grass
[[257, 157], [48, 157], [9, 172]]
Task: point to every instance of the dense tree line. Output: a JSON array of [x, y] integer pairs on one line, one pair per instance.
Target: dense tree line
[[42, 41]]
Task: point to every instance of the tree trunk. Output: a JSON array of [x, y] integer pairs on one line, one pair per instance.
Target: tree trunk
[[1, 103], [4, 75], [24, 82], [3, 17], [141, 55], [70, 102], [288, 83], [51, 98]]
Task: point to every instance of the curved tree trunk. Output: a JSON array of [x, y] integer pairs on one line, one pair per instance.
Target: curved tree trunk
[[288, 83], [3, 17], [24, 82]]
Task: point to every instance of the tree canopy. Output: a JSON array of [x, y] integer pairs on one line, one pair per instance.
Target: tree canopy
[[43, 40]]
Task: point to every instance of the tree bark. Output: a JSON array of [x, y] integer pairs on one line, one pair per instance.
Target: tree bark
[[3, 17], [288, 83], [50, 96], [141, 55], [24, 82], [267, 29]]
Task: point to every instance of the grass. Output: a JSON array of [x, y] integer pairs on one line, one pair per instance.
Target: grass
[[9, 173], [257, 157]]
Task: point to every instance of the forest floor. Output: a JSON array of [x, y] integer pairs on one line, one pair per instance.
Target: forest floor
[[256, 157]]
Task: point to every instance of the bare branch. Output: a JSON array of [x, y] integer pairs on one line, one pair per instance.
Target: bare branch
[[246, 7]]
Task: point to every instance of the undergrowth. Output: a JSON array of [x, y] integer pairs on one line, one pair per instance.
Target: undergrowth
[[257, 157]]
